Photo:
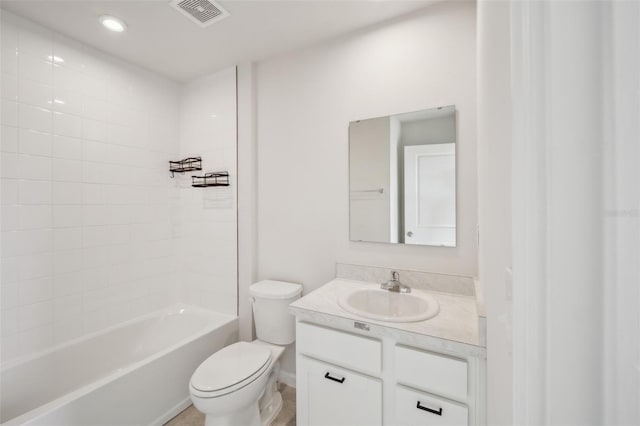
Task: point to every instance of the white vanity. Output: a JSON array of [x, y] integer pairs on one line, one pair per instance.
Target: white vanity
[[357, 371]]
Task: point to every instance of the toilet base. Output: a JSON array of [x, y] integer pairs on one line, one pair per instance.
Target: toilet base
[[249, 416], [271, 410]]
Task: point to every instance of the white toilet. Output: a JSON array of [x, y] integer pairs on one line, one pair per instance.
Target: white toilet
[[236, 386]]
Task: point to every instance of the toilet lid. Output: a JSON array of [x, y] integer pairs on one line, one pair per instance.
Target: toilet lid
[[229, 366]]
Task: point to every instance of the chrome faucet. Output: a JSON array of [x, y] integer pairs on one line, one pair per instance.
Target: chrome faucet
[[395, 285]]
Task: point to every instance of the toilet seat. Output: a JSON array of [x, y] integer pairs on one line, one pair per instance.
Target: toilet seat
[[230, 369]]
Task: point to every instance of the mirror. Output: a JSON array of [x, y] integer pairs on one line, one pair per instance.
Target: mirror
[[402, 178]]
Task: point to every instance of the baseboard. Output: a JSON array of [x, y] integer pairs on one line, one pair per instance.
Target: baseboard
[[174, 411], [287, 378]]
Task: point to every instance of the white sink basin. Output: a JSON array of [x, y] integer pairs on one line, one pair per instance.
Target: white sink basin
[[384, 305]]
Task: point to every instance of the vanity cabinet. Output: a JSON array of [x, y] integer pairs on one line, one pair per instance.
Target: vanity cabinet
[[338, 396], [348, 378], [415, 408]]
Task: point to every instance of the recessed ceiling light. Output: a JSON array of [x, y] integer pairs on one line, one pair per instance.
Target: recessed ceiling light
[[112, 23]]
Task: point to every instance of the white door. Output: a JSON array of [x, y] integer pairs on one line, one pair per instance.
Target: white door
[[334, 396], [430, 194]]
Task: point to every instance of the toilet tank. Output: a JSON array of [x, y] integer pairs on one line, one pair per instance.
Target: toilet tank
[[274, 323]]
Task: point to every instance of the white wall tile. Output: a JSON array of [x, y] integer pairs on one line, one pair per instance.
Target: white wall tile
[[67, 307], [10, 272], [93, 194], [9, 295], [9, 87], [67, 170], [9, 191], [35, 69], [64, 242], [95, 278], [96, 108], [34, 192], [67, 125], [10, 220], [9, 47], [95, 151], [94, 130], [35, 266], [67, 329], [67, 238], [36, 94], [35, 315], [67, 193], [35, 41], [67, 78], [9, 322], [34, 167], [36, 118], [71, 52], [67, 216], [67, 261], [9, 139], [32, 241], [96, 215], [9, 113], [69, 148], [67, 284], [9, 61], [34, 291], [35, 216], [35, 143], [121, 135], [35, 339], [67, 101]]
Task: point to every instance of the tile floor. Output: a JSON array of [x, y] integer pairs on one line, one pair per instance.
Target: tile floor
[[287, 416]]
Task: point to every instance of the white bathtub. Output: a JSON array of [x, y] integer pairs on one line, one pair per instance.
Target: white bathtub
[[136, 373]]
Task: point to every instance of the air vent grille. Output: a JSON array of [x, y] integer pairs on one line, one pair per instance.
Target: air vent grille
[[202, 12]]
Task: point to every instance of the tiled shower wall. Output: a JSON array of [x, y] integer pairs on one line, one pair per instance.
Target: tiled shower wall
[[86, 203], [206, 218]]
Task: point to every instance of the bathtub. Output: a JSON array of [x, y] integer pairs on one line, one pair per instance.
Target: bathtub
[[136, 373]]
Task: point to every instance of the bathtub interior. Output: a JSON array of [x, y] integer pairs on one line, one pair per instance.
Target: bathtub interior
[[27, 384]]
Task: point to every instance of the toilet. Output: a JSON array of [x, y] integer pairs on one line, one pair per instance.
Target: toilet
[[237, 386]]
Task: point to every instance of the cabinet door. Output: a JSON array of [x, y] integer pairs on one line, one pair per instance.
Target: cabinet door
[[415, 408], [328, 395]]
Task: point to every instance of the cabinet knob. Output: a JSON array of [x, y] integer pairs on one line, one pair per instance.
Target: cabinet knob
[[409, 234], [327, 376], [431, 410]]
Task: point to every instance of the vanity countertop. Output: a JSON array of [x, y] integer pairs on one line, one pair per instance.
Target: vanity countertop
[[457, 321]]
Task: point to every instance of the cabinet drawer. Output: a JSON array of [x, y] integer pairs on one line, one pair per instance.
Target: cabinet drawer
[[336, 396], [346, 349], [418, 408], [434, 373]]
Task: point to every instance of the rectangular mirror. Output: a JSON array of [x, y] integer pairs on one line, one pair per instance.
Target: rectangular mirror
[[402, 178]]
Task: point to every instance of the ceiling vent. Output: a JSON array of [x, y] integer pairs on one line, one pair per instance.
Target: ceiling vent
[[202, 12]]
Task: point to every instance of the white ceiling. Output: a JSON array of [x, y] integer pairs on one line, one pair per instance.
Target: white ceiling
[[160, 39]]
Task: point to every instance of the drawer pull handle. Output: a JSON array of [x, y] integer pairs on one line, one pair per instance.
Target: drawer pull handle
[[422, 407], [327, 376]]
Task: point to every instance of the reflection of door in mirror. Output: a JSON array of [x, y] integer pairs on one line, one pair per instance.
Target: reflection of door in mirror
[[382, 207], [429, 194]]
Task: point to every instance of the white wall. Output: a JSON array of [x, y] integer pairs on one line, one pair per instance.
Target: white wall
[[247, 195], [85, 200], [494, 200], [306, 100], [205, 219], [622, 216]]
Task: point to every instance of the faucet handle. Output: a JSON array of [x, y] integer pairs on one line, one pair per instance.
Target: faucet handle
[[395, 276]]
